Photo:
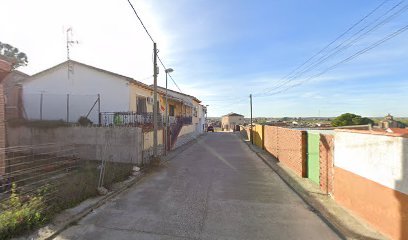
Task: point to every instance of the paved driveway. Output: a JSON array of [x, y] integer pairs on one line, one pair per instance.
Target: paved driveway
[[216, 189]]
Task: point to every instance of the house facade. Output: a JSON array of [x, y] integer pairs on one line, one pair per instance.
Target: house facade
[[72, 89], [229, 121]]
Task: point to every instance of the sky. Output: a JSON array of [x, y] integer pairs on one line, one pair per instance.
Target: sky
[[224, 50]]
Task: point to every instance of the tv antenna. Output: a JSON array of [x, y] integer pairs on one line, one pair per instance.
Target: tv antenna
[[70, 42]]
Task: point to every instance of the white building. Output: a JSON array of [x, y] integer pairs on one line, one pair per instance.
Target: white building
[[231, 120], [71, 89]]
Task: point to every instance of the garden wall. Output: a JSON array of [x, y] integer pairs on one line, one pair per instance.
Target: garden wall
[[92, 143], [288, 146]]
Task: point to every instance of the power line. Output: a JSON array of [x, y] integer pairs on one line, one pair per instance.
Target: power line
[[331, 53], [336, 39], [328, 56], [381, 41], [140, 20], [151, 38], [161, 62]]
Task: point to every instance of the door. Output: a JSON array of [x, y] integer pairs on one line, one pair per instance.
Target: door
[[313, 159]]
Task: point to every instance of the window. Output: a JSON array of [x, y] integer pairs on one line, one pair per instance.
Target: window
[[171, 110], [141, 105], [195, 112]]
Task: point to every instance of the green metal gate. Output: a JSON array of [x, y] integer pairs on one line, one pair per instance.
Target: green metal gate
[[313, 159]]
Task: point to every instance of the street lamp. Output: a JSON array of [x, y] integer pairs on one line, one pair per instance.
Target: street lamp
[[168, 70]]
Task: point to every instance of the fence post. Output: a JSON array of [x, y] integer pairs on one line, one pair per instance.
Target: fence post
[[41, 105], [99, 110], [68, 108]]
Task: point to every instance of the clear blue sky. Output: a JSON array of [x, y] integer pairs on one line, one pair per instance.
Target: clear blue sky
[[226, 49], [232, 48]]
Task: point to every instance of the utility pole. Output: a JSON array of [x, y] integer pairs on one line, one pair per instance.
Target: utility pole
[[167, 119], [155, 102], [251, 134]]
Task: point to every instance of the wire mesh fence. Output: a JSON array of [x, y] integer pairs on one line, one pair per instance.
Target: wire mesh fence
[[36, 182], [65, 107]]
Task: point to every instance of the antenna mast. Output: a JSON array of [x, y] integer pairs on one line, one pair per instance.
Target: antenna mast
[[70, 42]]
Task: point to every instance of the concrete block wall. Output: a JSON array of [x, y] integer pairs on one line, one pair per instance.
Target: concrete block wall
[[371, 178], [288, 146], [92, 143], [326, 148]]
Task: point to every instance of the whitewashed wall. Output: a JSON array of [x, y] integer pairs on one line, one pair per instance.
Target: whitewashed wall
[[200, 120], [382, 159], [83, 85]]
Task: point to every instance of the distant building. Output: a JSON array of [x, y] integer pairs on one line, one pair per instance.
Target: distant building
[[389, 122], [229, 121]]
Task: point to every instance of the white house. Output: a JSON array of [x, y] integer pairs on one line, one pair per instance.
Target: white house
[[71, 89]]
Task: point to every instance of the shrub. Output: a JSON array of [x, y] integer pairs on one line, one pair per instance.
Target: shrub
[[19, 214], [84, 121]]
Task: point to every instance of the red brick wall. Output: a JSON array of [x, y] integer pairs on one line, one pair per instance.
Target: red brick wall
[[271, 140], [288, 146], [2, 131], [326, 163]]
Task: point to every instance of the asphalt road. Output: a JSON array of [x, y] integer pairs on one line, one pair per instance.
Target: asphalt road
[[216, 189]]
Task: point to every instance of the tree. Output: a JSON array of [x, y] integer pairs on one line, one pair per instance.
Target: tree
[[18, 58], [348, 119]]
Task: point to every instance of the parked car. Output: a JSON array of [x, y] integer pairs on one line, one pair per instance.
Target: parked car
[[210, 129]]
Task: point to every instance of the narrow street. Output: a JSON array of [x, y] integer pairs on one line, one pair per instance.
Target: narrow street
[[216, 189]]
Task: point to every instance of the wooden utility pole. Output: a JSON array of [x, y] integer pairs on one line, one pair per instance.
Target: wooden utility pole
[[155, 101], [251, 133]]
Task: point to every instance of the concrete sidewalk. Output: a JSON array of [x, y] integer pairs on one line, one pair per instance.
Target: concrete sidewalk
[[348, 225]]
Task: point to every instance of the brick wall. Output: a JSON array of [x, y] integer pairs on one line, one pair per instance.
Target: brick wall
[[326, 163], [271, 140], [288, 146], [2, 132]]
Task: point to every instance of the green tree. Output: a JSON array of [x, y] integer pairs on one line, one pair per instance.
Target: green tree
[[348, 119], [18, 58]]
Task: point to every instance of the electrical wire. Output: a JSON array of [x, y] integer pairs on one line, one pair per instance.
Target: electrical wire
[[335, 40], [161, 62], [381, 41], [330, 54], [140, 20], [326, 57], [151, 38]]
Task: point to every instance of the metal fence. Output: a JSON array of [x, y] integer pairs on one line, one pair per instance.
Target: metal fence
[[131, 119], [65, 107], [31, 180], [38, 181]]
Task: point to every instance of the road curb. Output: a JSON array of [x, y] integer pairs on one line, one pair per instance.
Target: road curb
[[51, 230], [333, 221]]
